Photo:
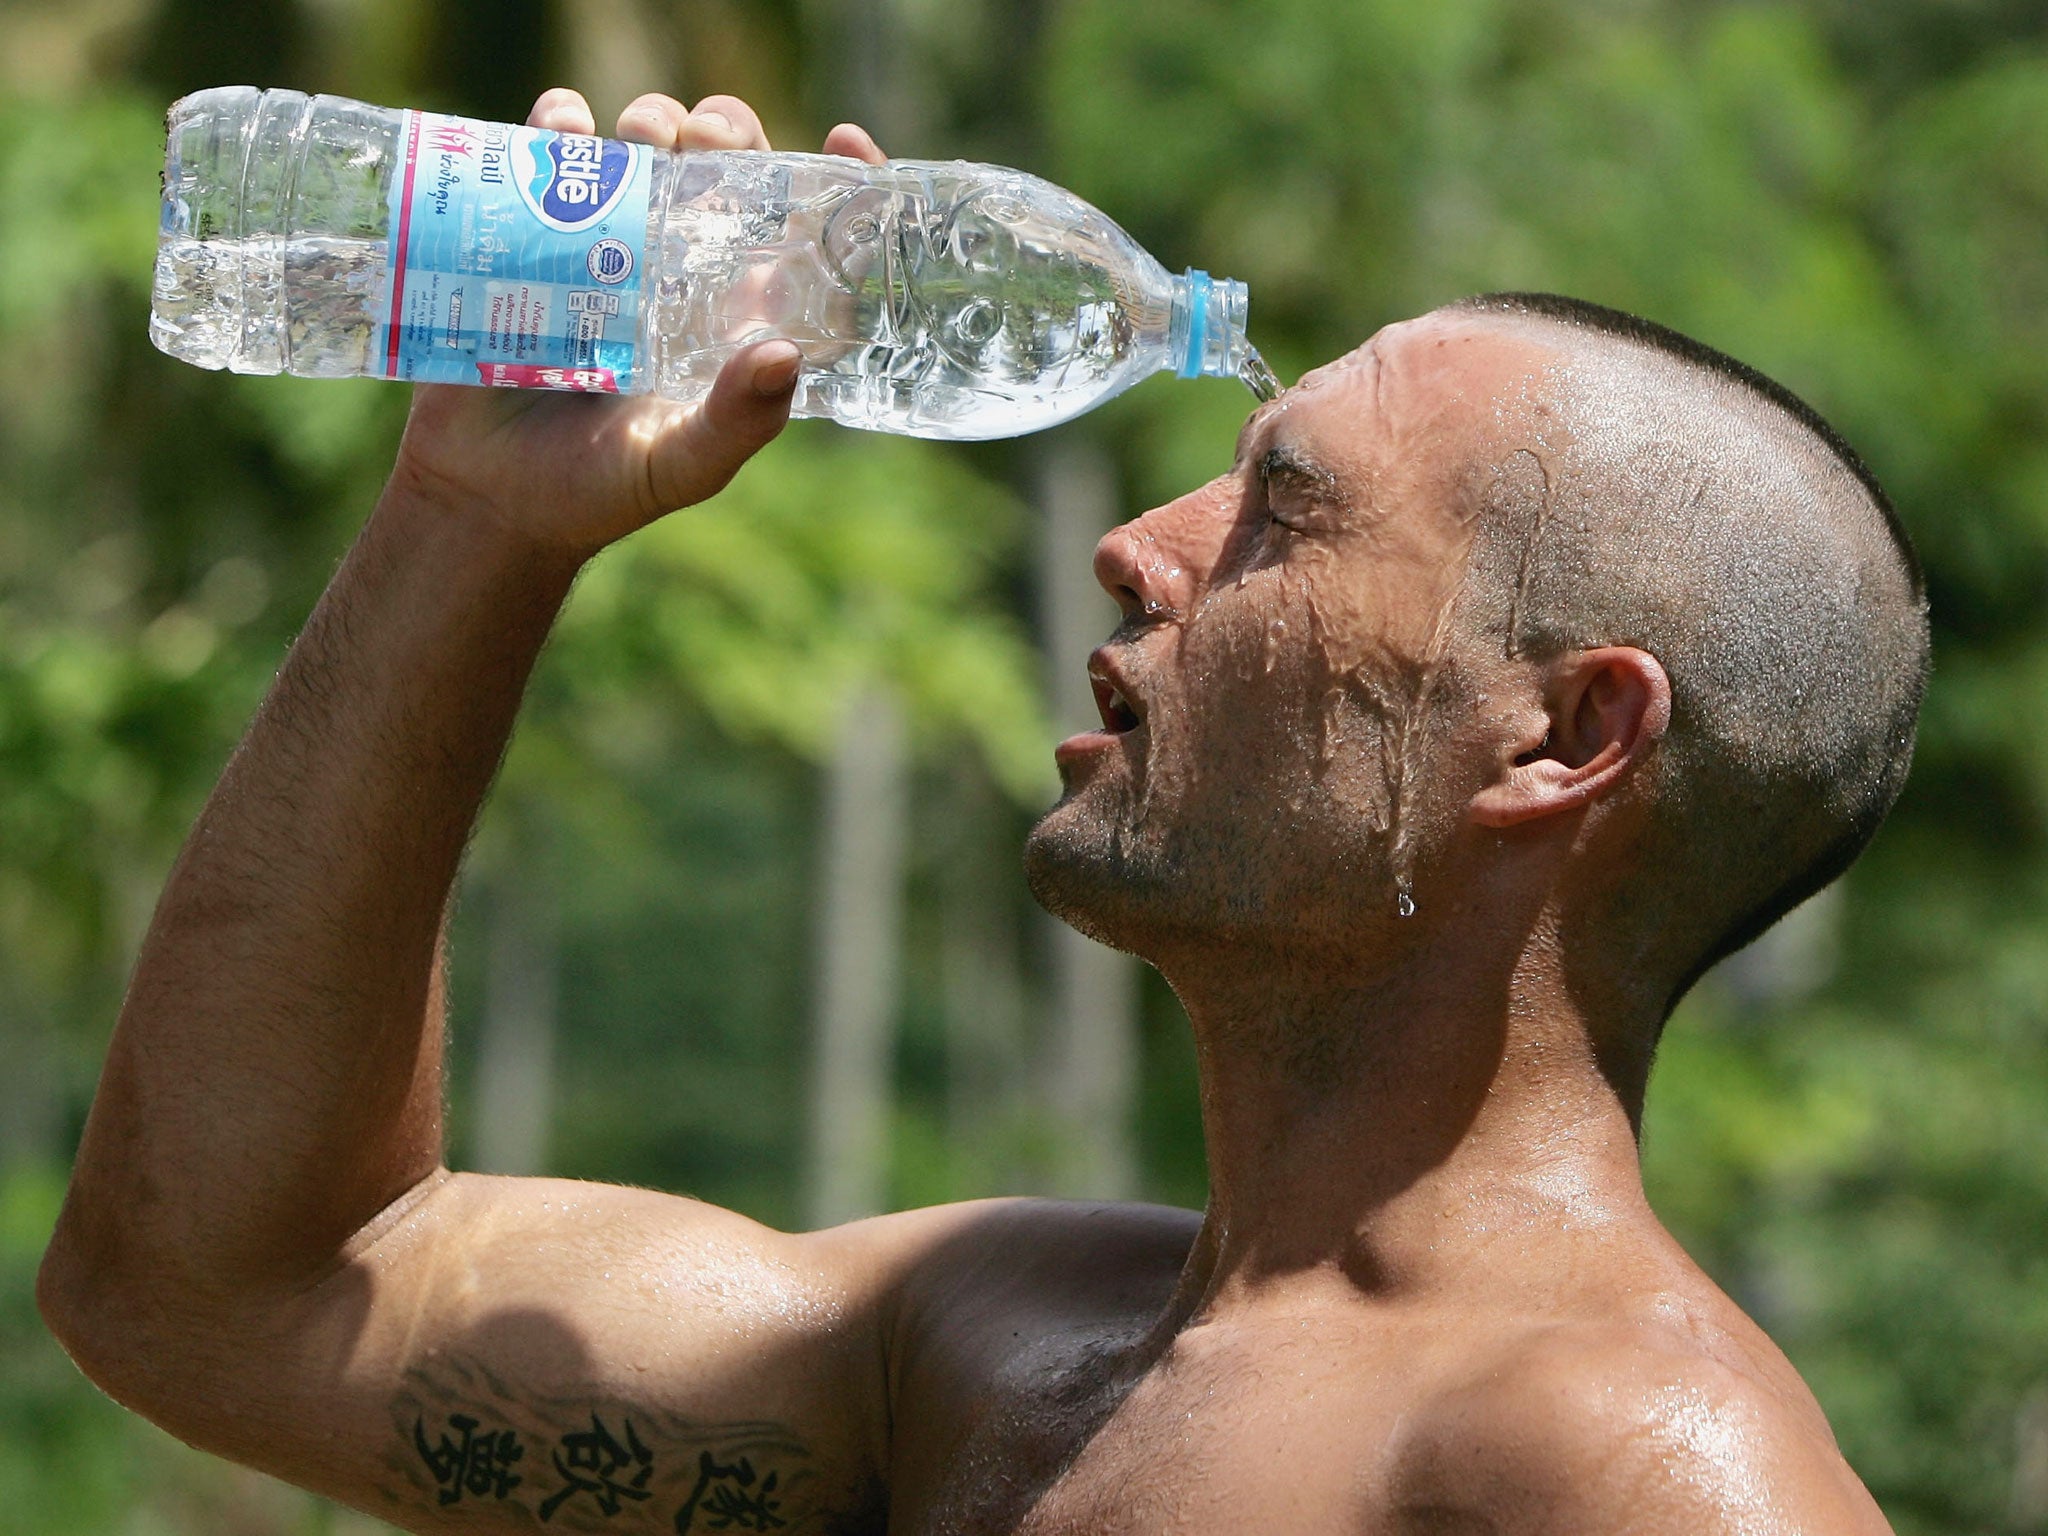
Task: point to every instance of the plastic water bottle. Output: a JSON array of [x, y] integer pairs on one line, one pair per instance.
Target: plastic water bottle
[[327, 238]]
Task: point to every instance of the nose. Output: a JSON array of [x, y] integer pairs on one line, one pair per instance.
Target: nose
[[1141, 566]]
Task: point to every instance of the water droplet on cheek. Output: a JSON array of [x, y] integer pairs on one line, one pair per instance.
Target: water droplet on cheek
[[1404, 905]]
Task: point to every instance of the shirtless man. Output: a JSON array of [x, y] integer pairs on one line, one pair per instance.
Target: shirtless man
[[1521, 663]]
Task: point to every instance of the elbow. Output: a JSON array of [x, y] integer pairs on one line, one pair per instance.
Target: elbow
[[194, 1355], [107, 1310], [149, 1357], [82, 1303]]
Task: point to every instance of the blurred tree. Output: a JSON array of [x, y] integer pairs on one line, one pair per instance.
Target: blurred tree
[[1092, 992], [1851, 196]]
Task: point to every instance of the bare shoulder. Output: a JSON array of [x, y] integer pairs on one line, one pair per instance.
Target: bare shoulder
[[1635, 1425], [1047, 1253], [982, 1289]]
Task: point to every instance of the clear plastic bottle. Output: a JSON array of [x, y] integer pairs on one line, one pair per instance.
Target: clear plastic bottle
[[323, 237]]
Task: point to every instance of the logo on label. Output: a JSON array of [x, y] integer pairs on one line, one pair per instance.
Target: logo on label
[[576, 179], [610, 261], [454, 136]]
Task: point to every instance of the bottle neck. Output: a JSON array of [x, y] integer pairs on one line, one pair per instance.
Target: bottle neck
[[1208, 337]]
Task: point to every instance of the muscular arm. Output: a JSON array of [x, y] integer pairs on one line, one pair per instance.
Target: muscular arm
[[275, 1076], [261, 1248]]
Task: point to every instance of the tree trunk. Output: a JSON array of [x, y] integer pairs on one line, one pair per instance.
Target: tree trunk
[[860, 935], [617, 49], [31, 1092], [515, 1071], [982, 982], [1092, 1069]]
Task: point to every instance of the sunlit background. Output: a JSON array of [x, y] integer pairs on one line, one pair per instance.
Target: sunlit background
[[745, 919]]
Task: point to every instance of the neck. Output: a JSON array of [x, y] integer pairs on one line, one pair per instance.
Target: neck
[[1381, 1128]]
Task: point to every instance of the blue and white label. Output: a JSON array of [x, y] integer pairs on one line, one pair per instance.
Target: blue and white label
[[514, 257], [573, 181]]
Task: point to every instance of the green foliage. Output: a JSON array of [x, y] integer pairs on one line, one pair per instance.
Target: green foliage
[[1853, 196], [831, 561], [63, 1461]]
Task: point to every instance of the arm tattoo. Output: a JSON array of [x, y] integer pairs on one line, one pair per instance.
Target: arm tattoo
[[463, 1437]]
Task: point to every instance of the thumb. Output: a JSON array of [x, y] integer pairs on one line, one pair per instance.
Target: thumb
[[748, 405]]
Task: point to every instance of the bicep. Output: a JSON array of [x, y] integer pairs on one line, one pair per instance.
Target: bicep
[[512, 1350]]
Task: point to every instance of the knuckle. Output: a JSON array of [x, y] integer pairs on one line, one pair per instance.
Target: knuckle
[[745, 121], [654, 104], [651, 118]]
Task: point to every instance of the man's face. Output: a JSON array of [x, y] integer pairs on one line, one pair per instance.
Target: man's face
[[1278, 710]]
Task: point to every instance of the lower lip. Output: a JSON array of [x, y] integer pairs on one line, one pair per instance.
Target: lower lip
[[1087, 744]]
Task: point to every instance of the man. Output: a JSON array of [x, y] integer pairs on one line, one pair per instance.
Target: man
[[1524, 661]]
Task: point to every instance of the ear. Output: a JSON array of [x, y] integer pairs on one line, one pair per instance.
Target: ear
[[1603, 710]]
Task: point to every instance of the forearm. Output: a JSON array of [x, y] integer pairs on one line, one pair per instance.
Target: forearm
[[274, 1080]]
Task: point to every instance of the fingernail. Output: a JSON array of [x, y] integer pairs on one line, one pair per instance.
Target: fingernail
[[776, 372], [717, 122]]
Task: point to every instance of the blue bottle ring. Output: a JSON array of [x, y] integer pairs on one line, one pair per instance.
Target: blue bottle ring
[[1198, 324]]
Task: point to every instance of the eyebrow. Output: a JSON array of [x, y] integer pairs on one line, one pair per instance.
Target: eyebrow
[[1285, 461]]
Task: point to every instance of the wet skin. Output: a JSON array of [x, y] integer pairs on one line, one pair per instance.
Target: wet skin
[[1282, 626], [1427, 1294]]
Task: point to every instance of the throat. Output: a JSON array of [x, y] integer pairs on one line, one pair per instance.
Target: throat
[[1384, 1178]]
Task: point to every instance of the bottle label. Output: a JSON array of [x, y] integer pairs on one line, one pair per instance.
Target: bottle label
[[515, 257]]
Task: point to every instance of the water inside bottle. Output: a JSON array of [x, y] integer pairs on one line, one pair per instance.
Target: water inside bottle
[[204, 292], [944, 301]]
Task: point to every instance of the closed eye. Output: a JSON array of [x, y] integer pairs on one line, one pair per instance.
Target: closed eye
[[1289, 480]]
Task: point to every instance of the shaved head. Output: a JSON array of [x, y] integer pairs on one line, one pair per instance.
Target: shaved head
[[1330, 657], [1694, 509]]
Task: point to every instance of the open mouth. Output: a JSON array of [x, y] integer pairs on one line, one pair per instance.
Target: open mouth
[[1117, 714], [1121, 717]]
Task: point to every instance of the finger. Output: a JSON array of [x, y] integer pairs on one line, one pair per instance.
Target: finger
[[563, 110], [653, 119], [852, 139], [748, 405], [735, 124]]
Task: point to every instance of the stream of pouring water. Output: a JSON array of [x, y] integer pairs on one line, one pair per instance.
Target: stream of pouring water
[[1258, 378]]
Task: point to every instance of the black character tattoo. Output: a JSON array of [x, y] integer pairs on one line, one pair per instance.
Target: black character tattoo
[[730, 1497], [465, 1432], [594, 1461], [479, 1465]]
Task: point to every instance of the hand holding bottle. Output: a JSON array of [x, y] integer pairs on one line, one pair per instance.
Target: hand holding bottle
[[575, 472]]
